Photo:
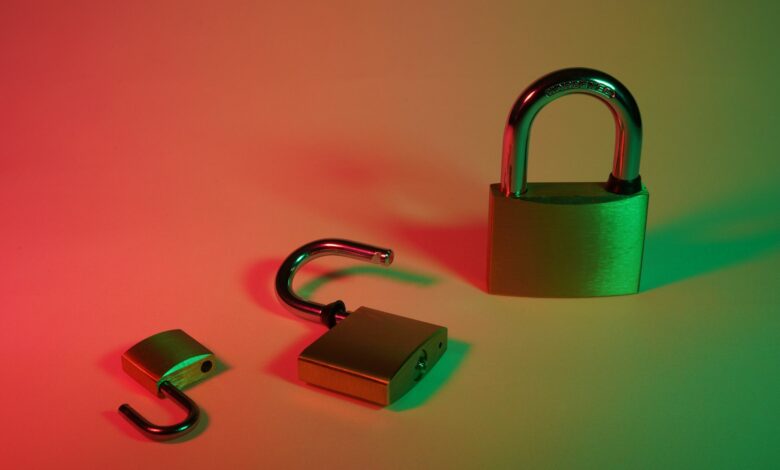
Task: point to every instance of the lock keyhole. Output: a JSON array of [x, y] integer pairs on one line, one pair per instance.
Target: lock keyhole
[[422, 366]]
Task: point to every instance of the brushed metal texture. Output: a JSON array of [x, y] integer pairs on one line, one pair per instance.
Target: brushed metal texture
[[172, 356], [566, 240], [373, 355]]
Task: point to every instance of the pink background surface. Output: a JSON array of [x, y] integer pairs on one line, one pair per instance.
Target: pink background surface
[[157, 162]]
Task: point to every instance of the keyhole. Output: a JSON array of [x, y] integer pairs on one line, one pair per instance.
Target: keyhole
[[422, 366]]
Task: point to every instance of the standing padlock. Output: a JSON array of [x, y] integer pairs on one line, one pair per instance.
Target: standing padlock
[[164, 364], [568, 239], [368, 354]]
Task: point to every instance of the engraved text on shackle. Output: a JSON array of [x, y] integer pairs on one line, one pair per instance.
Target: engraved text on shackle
[[581, 85]]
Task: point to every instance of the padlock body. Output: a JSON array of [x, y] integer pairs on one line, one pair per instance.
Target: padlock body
[[566, 240], [373, 355], [172, 356]]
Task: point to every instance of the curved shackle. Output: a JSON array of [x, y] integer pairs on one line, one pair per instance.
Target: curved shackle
[[163, 432], [624, 178], [334, 312]]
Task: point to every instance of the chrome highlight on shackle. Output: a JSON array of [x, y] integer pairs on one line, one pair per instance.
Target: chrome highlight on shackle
[[624, 178], [168, 431], [336, 311]]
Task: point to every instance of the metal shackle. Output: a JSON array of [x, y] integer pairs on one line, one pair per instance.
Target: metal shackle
[[336, 311], [624, 178], [169, 431]]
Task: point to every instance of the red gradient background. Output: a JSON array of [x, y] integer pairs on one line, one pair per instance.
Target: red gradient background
[[158, 160]]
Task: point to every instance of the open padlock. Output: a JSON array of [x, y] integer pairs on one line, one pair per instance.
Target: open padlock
[[164, 364], [368, 354]]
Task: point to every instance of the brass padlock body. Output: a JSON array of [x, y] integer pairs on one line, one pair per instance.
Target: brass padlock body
[[172, 356], [373, 355], [566, 240]]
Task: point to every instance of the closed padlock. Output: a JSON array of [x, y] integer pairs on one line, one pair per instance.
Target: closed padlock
[[568, 239], [164, 364], [368, 354]]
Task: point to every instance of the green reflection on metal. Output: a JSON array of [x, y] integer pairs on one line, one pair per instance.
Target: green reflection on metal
[[308, 289], [439, 375], [435, 378], [604, 83], [183, 364]]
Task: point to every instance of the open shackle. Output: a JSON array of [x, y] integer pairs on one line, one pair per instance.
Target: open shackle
[[624, 178], [334, 312], [168, 431]]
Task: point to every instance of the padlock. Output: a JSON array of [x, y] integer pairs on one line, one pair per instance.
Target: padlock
[[568, 239], [368, 354], [164, 364]]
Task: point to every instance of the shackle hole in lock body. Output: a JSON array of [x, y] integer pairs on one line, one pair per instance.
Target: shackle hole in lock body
[[624, 177]]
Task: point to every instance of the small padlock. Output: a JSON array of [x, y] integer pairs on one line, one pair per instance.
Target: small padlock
[[368, 354], [568, 239], [164, 364]]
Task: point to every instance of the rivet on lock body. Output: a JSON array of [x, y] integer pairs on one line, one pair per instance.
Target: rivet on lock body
[[568, 239], [367, 353], [164, 364]]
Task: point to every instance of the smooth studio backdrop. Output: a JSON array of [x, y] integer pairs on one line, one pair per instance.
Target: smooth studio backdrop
[[158, 160]]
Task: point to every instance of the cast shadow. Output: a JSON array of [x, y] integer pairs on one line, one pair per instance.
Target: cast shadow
[[259, 285], [460, 248], [357, 194], [111, 365], [731, 232], [436, 379], [674, 251], [307, 290]]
